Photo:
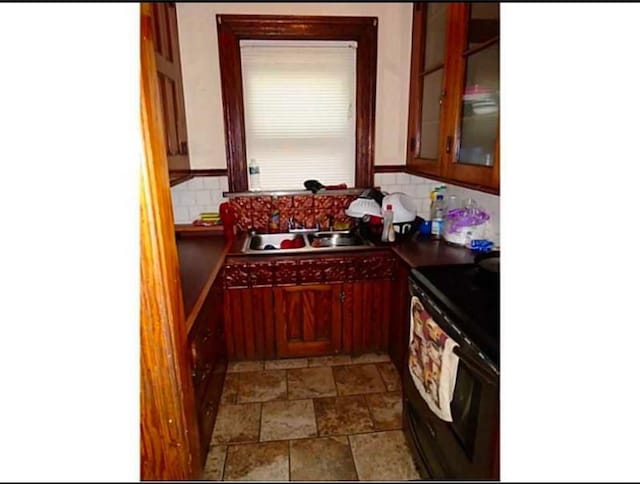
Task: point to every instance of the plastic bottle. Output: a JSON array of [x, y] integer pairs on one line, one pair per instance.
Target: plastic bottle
[[254, 175], [388, 234], [437, 217]]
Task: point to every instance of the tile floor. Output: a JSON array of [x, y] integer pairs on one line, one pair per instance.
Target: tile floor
[[333, 418]]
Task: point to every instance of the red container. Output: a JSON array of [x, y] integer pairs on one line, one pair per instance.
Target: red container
[[228, 218]]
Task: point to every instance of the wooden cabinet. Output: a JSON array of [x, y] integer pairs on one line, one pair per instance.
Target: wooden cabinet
[[367, 315], [249, 328], [308, 320], [166, 44], [297, 306], [209, 361], [399, 325], [453, 130]]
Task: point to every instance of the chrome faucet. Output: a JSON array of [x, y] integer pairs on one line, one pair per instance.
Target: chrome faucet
[[291, 226]]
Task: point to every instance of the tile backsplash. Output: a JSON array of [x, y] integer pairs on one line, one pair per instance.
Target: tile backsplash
[[204, 194], [419, 188], [272, 213], [200, 194]]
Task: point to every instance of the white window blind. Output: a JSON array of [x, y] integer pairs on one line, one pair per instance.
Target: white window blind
[[299, 106]]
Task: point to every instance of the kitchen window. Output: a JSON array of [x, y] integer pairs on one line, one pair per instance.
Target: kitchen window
[[299, 111], [324, 130]]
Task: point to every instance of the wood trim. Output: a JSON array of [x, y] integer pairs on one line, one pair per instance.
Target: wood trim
[[232, 28], [198, 228], [414, 134], [202, 172], [493, 189], [180, 176], [177, 179], [389, 169], [169, 438]]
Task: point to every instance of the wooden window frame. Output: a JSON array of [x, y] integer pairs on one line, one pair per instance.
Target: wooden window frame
[[233, 28]]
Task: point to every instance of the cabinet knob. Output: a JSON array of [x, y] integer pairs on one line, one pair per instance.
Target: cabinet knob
[[184, 148]]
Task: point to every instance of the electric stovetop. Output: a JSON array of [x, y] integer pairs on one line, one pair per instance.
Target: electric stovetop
[[472, 296]]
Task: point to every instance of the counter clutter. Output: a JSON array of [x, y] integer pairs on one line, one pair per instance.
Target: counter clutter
[[202, 253]]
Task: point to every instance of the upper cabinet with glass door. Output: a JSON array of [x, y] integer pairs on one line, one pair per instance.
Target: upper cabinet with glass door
[[454, 95]]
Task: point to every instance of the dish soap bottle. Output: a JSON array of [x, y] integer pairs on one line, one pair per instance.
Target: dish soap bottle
[[254, 175], [437, 217], [388, 234]]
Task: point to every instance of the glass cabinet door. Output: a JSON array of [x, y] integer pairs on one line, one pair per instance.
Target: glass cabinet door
[[479, 109], [454, 94], [432, 77]]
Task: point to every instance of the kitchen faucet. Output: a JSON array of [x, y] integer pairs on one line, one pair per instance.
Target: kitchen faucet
[[291, 226]]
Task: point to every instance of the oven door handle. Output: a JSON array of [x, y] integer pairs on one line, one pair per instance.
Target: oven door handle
[[478, 368]]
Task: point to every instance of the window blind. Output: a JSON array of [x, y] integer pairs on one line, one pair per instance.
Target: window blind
[[299, 106]]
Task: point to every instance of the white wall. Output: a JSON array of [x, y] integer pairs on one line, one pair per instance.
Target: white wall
[[201, 72]]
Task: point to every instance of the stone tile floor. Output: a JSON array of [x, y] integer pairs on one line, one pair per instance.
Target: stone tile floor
[[333, 418]]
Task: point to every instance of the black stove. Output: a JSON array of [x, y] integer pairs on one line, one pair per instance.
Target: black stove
[[472, 296]]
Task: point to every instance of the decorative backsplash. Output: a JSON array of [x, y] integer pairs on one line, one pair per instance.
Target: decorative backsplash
[[204, 194], [271, 214]]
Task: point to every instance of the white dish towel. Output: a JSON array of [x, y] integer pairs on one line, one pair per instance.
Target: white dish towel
[[432, 363]]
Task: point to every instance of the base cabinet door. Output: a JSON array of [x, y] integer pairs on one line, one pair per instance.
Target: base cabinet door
[[209, 363], [366, 314], [308, 320], [248, 318]]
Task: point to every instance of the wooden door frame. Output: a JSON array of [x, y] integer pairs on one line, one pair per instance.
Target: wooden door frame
[[169, 441]]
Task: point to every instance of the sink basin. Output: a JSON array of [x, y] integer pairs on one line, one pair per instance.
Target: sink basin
[[304, 242], [334, 239], [263, 241]]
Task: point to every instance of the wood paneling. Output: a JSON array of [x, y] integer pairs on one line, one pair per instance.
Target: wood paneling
[[369, 314], [307, 320], [399, 318], [169, 439], [232, 28], [248, 322]]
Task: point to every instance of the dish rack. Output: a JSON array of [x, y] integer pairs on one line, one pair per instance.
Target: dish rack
[[363, 206]]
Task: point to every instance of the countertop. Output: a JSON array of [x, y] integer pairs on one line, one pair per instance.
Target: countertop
[[202, 253], [420, 251]]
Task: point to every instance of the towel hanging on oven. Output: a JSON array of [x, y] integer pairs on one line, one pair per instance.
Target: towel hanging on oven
[[432, 364]]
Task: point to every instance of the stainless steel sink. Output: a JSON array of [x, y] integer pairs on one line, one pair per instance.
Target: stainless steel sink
[[268, 244], [273, 241], [334, 239]]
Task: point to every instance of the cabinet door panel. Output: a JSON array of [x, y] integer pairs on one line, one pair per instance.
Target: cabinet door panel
[[308, 320], [165, 35], [369, 313], [249, 323], [399, 317], [292, 307], [435, 32], [431, 109], [479, 128]]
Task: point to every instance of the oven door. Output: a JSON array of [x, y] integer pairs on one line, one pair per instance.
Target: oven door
[[465, 448]]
